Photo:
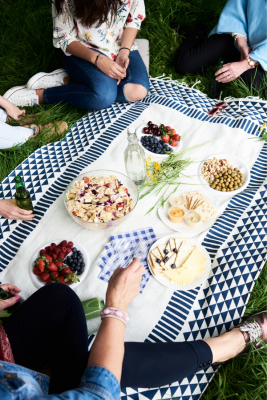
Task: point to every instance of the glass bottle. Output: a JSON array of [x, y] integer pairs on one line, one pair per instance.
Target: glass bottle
[[4, 295], [22, 196], [216, 87], [134, 158]]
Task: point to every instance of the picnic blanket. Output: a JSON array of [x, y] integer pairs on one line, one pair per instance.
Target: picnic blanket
[[236, 242]]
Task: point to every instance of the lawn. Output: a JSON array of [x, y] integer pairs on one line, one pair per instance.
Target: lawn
[[26, 48]]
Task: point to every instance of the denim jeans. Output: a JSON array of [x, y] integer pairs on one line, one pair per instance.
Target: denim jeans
[[90, 88]]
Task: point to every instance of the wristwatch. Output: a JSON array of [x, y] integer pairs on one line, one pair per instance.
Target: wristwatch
[[251, 62]]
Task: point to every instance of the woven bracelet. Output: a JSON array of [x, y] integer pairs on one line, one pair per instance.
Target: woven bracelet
[[126, 48], [97, 59]]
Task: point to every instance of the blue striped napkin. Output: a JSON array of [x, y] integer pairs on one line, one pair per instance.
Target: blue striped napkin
[[121, 249]]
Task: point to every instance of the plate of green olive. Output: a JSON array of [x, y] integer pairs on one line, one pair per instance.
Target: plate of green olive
[[224, 173]]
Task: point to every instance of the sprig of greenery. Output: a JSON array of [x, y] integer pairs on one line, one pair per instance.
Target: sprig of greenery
[[165, 174]]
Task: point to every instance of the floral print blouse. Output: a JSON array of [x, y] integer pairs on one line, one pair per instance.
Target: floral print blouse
[[106, 39]]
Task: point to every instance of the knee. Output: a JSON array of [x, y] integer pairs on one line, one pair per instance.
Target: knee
[[134, 92], [180, 66], [63, 294]]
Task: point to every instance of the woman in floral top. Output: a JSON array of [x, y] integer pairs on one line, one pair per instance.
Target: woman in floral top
[[101, 60]]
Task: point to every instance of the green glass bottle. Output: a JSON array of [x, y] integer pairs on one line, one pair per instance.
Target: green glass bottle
[[216, 87], [9, 310], [22, 196]]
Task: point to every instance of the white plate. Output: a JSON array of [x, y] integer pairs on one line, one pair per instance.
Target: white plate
[[36, 280], [236, 163], [139, 133], [174, 286], [182, 227]]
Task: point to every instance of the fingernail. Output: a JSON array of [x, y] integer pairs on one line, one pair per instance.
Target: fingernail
[[17, 298]]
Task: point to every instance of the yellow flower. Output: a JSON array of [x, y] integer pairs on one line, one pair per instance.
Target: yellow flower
[[156, 172], [88, 35], [148, 173]]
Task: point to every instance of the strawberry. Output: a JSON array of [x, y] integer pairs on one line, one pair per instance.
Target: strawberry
[[173, 132], [65, 271], [45, 276], [74, 213], [166, 138], [41, 265], [168, 127], [52, 267], [49, 259], [68, 251], [36, 271], [85, 179], [70, 244], [173, 142], [54, 274], [61, 279], [61, 255], [42, 252], [59, 264], [48, 282], [71, 278], [63, 243], [176, 138]]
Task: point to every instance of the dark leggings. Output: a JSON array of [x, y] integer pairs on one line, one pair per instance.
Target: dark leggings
[[197, 53], [50, 329]]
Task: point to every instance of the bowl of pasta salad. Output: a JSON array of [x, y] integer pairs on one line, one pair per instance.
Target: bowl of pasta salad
[[100, 199]]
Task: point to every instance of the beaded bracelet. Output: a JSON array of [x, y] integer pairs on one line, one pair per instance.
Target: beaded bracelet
[[125, 48], [115, 313]]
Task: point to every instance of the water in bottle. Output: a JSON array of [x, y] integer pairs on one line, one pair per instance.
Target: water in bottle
[[134, 158]]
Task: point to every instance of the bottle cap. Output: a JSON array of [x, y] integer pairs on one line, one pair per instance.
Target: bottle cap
[[17, 178], [131, 129]]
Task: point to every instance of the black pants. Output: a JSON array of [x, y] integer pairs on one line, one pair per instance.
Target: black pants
[[50, 329], [197, 53]]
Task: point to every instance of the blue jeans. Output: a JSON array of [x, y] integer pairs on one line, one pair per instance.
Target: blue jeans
[[90, 88]]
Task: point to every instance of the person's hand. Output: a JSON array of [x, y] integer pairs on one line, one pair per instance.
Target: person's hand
[[111, 68], [123, 59], [124, 285], [10, 210], [14, 291], [231, 71], [14, 112]]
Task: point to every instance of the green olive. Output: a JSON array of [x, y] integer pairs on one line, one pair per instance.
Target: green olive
[[223, 190], [210, 181], [240, 184], [235, 169]]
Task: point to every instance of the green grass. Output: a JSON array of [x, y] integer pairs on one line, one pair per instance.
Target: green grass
[[26, 48]]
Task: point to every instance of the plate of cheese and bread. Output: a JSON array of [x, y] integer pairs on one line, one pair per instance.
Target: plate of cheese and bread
[[179, 263], [193, 202]]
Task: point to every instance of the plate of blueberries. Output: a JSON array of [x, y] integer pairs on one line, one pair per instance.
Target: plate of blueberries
[[153, 143]]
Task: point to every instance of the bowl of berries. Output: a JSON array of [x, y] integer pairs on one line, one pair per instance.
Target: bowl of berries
[[59, 262], [160, 140]]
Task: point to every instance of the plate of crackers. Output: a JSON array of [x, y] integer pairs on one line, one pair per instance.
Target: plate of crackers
[[179, 263], [189, 213]]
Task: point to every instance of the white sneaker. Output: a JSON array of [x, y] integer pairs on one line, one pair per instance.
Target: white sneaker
[[21, 96], [44, 80]]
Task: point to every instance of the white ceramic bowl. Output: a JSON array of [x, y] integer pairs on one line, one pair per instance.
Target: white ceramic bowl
[[36, 280], [236, 163], [140, 133], [127, 182]]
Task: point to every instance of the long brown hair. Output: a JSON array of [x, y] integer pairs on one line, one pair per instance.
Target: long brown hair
[[92, 12]]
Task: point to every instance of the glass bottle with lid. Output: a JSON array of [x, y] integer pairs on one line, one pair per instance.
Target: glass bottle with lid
[[134, 158], [22, 196]]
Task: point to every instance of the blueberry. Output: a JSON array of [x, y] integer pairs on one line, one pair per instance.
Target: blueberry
[[74, 249], [166, 251], [158, 260], [71, 265], [82, 270], [175, 250], [72, 269], [173, 266], [79, 273], [83, 264], [165, 259]]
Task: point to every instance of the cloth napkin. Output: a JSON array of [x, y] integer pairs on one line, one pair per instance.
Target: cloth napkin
[[122, 248]]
